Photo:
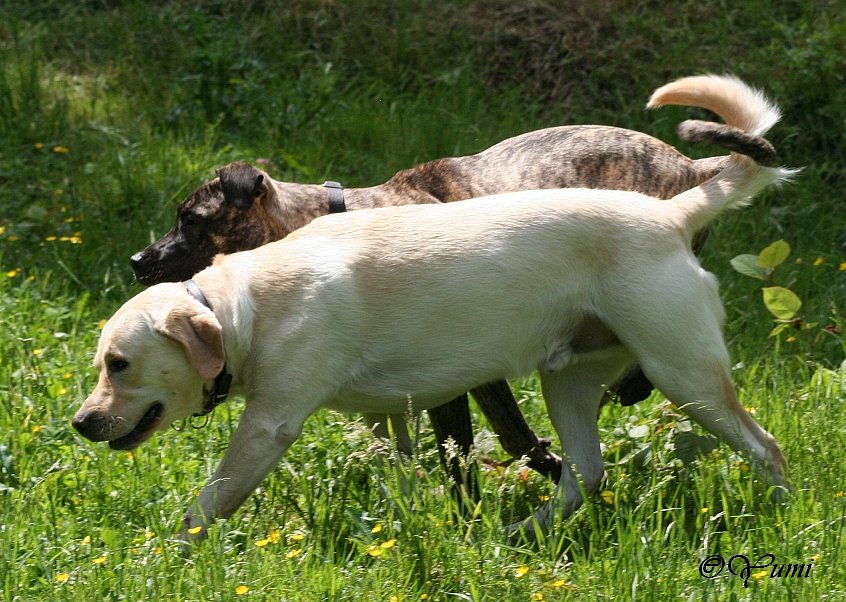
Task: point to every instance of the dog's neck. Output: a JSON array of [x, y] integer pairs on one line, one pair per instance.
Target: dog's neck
[[298, 204]]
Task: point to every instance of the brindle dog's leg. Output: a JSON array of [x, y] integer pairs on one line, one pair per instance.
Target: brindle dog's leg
[[517, 438], [633, 387], [452, 420]]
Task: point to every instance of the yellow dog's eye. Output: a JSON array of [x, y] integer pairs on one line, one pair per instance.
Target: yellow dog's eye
[[116, 365]]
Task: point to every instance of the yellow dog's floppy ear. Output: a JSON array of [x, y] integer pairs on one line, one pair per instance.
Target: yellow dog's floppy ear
[[202, 337]]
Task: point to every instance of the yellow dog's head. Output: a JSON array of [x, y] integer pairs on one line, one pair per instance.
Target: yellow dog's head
[[156, 358]]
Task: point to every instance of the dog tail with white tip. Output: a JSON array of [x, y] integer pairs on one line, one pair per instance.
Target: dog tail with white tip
[[747, 114], [734, 186]]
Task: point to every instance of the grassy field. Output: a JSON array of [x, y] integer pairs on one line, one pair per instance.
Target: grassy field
[[111, 112]]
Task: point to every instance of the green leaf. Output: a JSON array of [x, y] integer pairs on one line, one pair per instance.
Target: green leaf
[[781, 302], [774, 255], [748, 265]]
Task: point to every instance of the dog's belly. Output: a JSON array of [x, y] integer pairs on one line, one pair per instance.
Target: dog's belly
[[420, 380], [393, 389]]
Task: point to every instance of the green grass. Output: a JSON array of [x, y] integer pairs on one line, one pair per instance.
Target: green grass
[[110, 113]]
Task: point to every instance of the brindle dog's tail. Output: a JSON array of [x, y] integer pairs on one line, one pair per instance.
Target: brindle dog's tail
[[748, 114]]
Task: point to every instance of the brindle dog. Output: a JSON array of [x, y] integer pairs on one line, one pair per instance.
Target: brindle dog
[[244, 208]]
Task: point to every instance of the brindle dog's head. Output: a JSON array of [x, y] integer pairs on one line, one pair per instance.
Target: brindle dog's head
[[225, 215]]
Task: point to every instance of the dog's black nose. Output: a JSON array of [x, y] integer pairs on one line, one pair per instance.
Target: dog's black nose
[[137, 260], [92, 425], [81, 423]]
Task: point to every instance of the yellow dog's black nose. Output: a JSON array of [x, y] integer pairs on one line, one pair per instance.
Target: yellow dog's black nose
[[91, 425]]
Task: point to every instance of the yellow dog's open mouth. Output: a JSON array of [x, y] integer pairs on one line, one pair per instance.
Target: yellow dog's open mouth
[[142, 430]]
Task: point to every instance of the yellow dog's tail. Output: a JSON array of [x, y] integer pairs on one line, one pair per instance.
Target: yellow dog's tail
[[734, 186]]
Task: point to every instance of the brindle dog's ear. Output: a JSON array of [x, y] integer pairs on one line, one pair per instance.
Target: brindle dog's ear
[[242, 184]]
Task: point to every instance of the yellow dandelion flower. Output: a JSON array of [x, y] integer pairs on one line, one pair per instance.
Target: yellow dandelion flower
[[241, 590], [424, 596], [387, 545], [293, 553], [704, 510], [61, 150], [375, 550], [38, 145], [158, 550], [819, 261], [62, 577], [607, 496], [757, 576], [841, 267], [67, 375], [520, 571], [791, 339], [11, 273], [99, 559], [37, 428], [101, 324], [2, 230], [840, 494], [37, 352], [537, 596], [274, 536], [195, 530], [296, 537], [816, 557], [86, 540], [262, 542], [377, 528], [544, 498], [558, 583]]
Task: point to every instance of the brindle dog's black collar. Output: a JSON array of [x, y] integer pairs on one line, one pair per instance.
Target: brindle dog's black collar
[[222, 381], [336, 197]]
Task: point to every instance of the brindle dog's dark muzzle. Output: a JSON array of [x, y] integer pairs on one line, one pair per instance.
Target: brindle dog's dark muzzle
[[166, 260]]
